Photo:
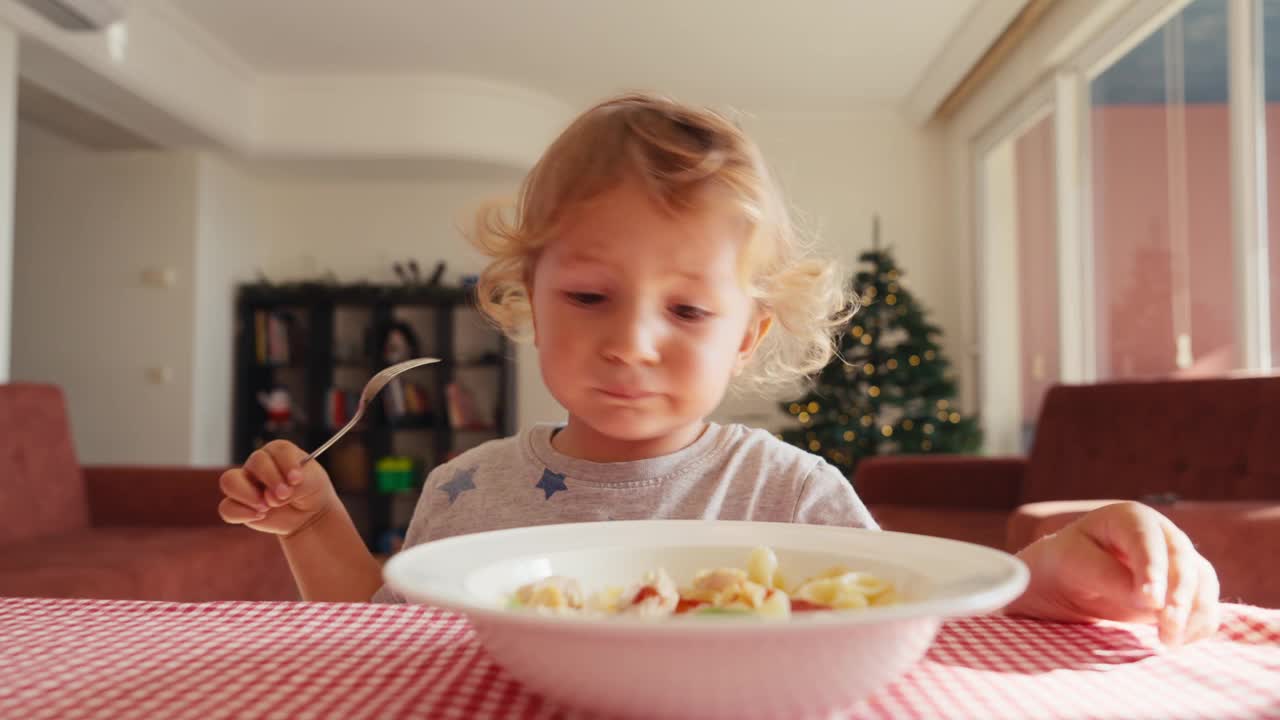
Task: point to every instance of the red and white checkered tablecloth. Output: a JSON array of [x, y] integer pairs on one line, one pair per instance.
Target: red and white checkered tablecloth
[[117, 659]]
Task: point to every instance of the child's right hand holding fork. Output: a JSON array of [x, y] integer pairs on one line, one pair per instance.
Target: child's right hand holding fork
[[274, 492]]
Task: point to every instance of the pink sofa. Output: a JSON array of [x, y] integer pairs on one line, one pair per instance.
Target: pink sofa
[[150, 533], [1204, 452]]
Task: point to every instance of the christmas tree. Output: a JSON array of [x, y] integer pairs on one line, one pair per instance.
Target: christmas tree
[[890, 389]]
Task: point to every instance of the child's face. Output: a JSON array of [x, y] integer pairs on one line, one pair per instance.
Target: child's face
[[640, 318]]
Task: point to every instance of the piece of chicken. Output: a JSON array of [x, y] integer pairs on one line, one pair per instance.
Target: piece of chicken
[[551, 593]]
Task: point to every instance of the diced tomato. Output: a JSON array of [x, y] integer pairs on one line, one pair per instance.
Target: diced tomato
[[685, 606], [798, 605], [644, 593]]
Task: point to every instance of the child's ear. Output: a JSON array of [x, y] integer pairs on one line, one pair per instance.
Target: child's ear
[[756, 330]]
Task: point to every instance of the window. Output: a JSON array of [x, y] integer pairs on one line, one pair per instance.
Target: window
[[1037, 268], [1163, 272], [1119, 237], [1271, 78], [1020, 279]]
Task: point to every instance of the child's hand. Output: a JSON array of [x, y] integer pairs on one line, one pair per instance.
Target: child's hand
[[1123, 562], [272, 493]]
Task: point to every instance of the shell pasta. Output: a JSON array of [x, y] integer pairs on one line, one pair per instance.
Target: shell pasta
[[759, 589]]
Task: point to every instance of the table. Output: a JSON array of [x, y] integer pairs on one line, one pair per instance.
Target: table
[[121, 659]]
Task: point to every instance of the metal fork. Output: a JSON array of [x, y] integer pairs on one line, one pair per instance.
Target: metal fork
[[371, 388]]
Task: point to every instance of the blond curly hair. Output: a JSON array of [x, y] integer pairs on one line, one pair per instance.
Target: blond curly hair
[[678, 152]]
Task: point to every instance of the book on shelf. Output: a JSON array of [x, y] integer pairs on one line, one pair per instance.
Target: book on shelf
[[400, 401], [273, 336], [416, 401], [403, 399], [260, 337], [463, 414], [340, 405]]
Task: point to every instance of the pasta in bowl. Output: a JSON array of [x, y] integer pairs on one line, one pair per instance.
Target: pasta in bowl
[[585, 649], [760, 589]]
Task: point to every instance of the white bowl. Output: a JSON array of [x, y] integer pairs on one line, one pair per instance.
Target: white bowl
[[704, 667]]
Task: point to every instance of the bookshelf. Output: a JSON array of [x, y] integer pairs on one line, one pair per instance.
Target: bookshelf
[[316, 344]]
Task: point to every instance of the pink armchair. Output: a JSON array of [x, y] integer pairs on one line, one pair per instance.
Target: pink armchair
[[1206, 453], [150, 533]]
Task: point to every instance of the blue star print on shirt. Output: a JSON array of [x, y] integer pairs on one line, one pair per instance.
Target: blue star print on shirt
[[460, 483], [551, 483]]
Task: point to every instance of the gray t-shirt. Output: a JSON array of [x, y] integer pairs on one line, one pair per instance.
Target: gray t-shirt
[[730, 472]]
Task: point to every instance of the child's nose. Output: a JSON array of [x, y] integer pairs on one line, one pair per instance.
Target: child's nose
[[632, 338]]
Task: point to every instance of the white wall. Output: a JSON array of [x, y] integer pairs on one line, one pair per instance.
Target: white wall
[[8, 132], [228, 243], [998, 386], [87, 225], [837, 170], [356, 227]]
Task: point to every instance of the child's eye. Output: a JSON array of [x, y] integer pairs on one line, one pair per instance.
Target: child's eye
[[584, 298], [690, 312]]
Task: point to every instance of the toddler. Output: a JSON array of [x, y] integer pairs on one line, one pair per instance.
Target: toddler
[[651, 260]]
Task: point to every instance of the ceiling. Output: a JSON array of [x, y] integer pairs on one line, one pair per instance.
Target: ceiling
[[794, 54]]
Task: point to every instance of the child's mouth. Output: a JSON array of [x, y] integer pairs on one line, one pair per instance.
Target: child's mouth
[[624, 393]]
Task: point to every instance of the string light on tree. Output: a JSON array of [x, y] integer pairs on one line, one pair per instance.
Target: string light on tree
[[891, 390]]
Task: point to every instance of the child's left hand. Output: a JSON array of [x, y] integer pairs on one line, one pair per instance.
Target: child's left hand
[[1123, 562]]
